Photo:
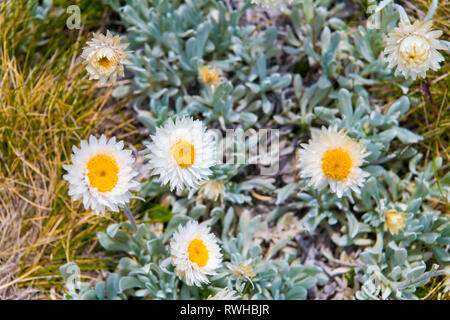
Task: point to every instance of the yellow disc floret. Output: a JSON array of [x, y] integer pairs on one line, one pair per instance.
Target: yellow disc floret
[[209, 76], [198, 253], [336, 164], [415, 50], [184, 153], [103, 172], [106, 63]]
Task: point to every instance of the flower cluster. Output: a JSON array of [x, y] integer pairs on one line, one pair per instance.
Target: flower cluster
[[230, 231]]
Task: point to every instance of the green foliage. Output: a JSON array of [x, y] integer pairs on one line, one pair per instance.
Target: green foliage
[[147, 272], [335, 77], [171, 40]]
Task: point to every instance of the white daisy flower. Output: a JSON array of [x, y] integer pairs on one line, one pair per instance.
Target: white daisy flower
[[412, 49], [333, 158], [104, 57], [195, 253], [182, 153], [224, 294], [101, 173]]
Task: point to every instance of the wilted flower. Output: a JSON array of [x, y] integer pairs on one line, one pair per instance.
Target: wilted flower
[[210, 76], [195, 253], [104, 57], [212, 189], [412, 49], [242, 271], [394, 221], [224, 294], [182, 153], [101, 173], [333, 158]]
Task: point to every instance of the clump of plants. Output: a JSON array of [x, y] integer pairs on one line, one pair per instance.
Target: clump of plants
[[225, 211]]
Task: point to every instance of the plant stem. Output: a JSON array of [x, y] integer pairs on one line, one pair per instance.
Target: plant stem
[[130, 216]]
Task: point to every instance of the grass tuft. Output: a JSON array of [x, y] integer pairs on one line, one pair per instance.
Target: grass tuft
[[46, 106]]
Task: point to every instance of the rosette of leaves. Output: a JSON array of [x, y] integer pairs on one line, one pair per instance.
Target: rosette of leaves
[[397, 264], [187, 202], [142, 274], [263, 273]]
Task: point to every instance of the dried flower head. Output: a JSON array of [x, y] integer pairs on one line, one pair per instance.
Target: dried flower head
[[242, 271], [104, 57], [224, 294], [212, 189], [210, 76], [412, 49]]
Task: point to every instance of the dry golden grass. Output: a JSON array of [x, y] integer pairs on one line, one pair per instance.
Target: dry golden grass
[[41, 116], [430, 117], [46, 106], [429, 114]]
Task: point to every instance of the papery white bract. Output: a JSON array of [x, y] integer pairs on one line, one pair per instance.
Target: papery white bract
[[412, 49]]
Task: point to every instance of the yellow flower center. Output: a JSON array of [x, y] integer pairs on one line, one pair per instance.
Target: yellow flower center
[[103, 172], [209, 76], [104, 62], [336, 164], [184, 153], [198, 253], [414, 50]]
